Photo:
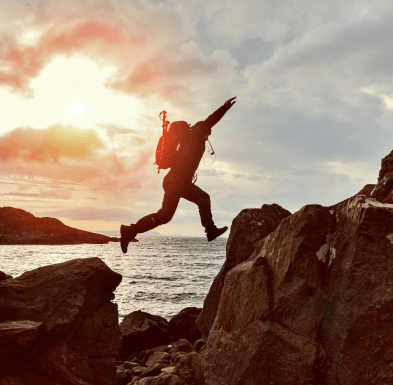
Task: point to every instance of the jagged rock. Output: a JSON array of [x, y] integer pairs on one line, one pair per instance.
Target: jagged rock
[[4, 276], [190, 368], [181, 346], [184, 324], [367, 190], [312, 305], [162, 379], [386, 166], [130, 365], [58, 324], [383, 190], [141, 330], [18, 338], [123, 376], [247, 230], [158, 357], [153, 369], [199, 344], [138, 370], [18, 227]]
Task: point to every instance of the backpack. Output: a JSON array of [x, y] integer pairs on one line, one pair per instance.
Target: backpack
[[169, 143]]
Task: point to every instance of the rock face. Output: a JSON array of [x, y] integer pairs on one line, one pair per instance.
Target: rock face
[[59, 326], [248, 228], [18, 227], [313, 304]]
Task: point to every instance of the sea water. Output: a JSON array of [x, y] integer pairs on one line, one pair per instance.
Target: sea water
[[161, 275]]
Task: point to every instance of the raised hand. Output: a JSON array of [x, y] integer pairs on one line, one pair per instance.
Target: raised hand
[[229, 102]]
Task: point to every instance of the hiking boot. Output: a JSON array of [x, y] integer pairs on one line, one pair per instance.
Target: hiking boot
[[215, 233], [127, 233]]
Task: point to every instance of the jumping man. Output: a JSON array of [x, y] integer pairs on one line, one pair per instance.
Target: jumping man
[[178, 182]]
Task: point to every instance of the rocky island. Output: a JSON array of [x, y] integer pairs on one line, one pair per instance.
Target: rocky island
[[302, 299], [18, 227]]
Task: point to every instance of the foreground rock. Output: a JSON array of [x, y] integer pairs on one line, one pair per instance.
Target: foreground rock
[[313, 304], [178, 364], [184, 325], [18, 227], [141, 330], [59, 326], [247, 230]]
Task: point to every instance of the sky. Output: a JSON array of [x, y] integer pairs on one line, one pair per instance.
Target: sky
[[82, 84]]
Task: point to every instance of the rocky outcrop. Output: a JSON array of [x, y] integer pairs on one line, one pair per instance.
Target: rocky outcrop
[[141, 330], [247, 230], [313, 304], [59, 326], [4, 276], [184, 325], [383, 190], [177, 364], [18, 227]]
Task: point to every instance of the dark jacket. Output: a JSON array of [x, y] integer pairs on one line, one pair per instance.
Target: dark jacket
[[192, 146]]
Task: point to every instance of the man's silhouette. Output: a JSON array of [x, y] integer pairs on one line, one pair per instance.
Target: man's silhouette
[[178, 182]]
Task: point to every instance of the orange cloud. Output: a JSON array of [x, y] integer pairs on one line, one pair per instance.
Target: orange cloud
[[149, 62], [44, 145], [68, 154], [23, 64]]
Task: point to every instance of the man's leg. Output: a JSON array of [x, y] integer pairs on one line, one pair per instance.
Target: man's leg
[[201, 198], [149, 222]]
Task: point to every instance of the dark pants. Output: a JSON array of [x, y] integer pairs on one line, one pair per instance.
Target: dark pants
[[174, 189]]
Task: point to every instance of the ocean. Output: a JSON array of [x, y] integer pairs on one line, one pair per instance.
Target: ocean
[[161, 275]]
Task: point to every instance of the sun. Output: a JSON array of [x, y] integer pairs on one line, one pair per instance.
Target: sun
[[74, 91], [78, 110]]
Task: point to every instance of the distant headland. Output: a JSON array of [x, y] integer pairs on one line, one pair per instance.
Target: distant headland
[[19, 227]]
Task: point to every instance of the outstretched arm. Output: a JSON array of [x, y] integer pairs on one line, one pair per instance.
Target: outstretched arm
[[216, 116]]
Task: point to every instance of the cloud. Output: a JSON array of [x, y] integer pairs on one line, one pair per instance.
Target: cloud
[[89, 213], [51, 194], [150, 46], [314, 87], [23, 63], [69, 155], [48, 145]]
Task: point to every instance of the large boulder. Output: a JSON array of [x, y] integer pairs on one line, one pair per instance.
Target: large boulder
[[141, 330], [313, 304], [58, 325], [247, 230], [184, 325]]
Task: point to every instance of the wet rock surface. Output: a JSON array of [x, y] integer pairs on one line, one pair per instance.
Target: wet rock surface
[[59, 326]]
